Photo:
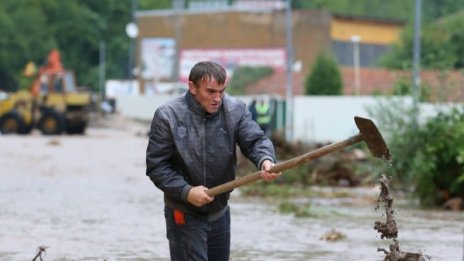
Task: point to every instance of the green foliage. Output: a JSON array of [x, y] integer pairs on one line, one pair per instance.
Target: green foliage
[[325, 77], [404, 87], [305, 210], [244, 76], [31, 28], [433, 10], [158, 4], [427, 156], [395, 9], [24, 36], [450, 28], [298, 210], [441, 46], [442, 154], [275, 190]]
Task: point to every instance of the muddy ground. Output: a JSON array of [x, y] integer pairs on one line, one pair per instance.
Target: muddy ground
[[87, 198]]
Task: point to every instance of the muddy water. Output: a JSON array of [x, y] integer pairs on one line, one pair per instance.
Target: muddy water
[[87, 198]]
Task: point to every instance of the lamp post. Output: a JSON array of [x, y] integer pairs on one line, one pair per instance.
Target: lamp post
[[289, 110], [416, 60], [177, 6], [101, 70], [132, 32], [355, 39]]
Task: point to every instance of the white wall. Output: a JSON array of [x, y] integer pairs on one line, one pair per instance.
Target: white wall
[[140, 107], [316, 118], [329, 118]]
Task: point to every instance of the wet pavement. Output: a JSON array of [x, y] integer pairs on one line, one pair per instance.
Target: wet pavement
[[87, 198]]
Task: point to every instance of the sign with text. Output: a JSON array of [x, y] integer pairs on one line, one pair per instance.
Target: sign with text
[[158, 58], [231, 59]]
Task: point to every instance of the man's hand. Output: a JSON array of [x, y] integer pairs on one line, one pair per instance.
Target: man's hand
[[197, 196], [265, 168]]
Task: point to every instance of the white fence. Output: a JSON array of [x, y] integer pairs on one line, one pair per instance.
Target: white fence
[[316, 118]]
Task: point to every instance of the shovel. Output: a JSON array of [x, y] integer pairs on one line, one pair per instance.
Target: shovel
[[368, 132]]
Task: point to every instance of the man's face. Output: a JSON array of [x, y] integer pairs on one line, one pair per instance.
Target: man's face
[[209, 94]]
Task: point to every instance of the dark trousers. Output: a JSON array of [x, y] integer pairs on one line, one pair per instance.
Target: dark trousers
[[198, 239]]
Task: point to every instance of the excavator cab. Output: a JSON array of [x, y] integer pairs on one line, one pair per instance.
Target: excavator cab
[[58, 83]]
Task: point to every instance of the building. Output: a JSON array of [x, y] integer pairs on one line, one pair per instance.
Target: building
[[171, 41]]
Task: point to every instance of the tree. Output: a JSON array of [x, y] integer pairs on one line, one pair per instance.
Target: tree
[[441, 46], [426, 157], [395, 9], [325, 77], [24, 37], [31, 28]]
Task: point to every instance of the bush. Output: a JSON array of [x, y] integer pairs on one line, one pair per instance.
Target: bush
[[325, 77], [429, 156], [404, 87]]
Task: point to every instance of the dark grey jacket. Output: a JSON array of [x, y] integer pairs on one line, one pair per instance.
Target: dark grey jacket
[[188, 147]]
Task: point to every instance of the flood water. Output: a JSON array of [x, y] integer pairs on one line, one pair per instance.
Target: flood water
[[87, 198]]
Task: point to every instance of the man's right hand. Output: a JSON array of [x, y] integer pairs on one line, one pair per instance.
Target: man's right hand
[[197, 196]]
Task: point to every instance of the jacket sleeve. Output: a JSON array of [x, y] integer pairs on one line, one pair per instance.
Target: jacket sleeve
[[159, 159], [252, 142]]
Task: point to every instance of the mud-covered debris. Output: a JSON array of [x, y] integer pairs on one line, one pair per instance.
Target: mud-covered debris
[[389, 228], [454, 204], [40, 251], [53, 142], [395, 254], [332, 235]]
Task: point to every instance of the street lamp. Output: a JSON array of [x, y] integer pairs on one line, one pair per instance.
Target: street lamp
[[355, 39], [101, 70], [132, 32], [416, 60], [289, 90]]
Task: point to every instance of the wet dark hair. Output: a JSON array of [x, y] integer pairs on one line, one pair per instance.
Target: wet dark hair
[[203, 71]]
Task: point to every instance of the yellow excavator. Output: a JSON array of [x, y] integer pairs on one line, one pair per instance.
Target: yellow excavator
[[52, 103]]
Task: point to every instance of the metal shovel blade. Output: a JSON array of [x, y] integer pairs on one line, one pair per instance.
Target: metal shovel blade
[[373, 138]]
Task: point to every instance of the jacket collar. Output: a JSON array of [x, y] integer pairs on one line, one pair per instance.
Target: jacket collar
[[196, 107]]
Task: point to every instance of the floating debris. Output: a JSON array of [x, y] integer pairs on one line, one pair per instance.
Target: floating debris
[[53, 142], [40, 250], [332, 235], [396, 255]]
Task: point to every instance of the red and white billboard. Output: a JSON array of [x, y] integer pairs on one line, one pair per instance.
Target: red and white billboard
[[231, 59]]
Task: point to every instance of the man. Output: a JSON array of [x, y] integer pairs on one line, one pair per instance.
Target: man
[[261, 111], [192, 147]]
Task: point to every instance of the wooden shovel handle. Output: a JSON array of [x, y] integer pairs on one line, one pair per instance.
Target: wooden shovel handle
[[229, 186]]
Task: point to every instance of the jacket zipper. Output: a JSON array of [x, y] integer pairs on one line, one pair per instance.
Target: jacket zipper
[[204, 156]]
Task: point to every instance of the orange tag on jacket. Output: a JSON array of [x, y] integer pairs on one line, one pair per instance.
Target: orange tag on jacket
[[179, 217]]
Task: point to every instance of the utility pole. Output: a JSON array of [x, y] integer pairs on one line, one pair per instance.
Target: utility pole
[[289, 110], [355, 39], [101, 70], [177, 6], [132, 32], [416, 58]]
